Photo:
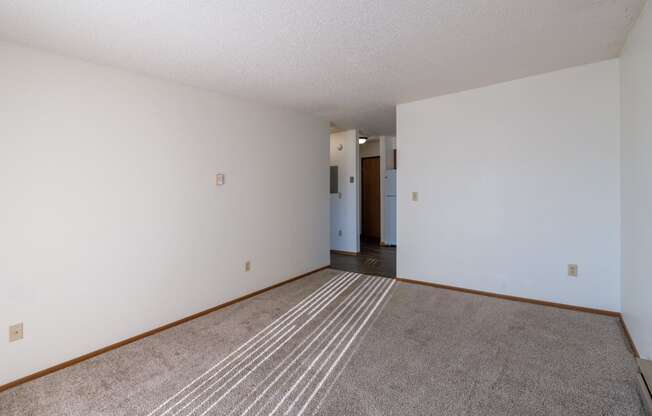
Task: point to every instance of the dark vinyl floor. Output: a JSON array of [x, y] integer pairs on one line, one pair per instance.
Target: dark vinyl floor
[[373, 259]]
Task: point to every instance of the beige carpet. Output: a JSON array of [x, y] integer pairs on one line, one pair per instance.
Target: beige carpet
[[338, 343]]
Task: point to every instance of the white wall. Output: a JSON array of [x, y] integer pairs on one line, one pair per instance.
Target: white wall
[[636, 73], [390, 146], [516, 181], [345, 205], [110, 221], [370, 149], [386, 148]]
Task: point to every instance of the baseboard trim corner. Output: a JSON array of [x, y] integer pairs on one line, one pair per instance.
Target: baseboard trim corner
[[628, 337], [151, 332]]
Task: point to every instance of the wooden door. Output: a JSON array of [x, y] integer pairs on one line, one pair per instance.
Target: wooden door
[[371, 197]]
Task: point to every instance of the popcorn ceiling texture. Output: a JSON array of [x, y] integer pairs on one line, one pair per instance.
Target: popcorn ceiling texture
[[348, 62]]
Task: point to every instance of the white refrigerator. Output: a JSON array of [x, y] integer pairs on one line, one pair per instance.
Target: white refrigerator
[[389, 220]]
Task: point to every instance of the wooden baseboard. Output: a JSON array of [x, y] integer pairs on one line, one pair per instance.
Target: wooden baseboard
[[629, 338], [644, 393], [119, 344], [645, 384], [514, 298], [345, 253]]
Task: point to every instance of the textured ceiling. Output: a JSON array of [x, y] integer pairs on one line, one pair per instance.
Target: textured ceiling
[[346, 61]]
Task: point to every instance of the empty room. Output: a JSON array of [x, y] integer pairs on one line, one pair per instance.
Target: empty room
[[362, 208]]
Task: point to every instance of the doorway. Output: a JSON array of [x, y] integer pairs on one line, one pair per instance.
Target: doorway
[[370, 198], [361, 194]]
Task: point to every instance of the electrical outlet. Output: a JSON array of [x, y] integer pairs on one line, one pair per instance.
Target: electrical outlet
[[339, 233], [219, 179], [415, 196], [351, 179], [16, 332], [247, 265], [572, 270]]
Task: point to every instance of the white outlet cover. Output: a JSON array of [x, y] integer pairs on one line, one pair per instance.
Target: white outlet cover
[[16, 332]]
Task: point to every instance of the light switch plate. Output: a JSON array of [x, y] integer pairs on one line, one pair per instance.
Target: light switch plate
[[415, 196], [219, 179], [16, 332], [572, 270], [247, 265]]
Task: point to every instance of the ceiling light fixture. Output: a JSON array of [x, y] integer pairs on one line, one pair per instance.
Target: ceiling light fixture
[[362, 140]]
